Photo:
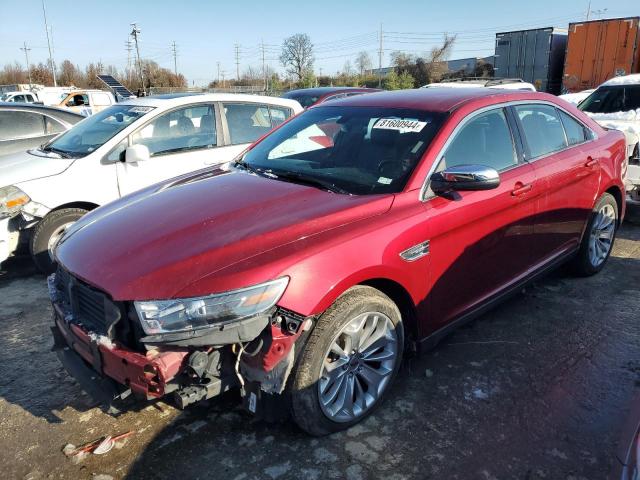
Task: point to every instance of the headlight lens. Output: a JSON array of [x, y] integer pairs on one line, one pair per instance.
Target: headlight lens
[[186, 314], [11, 200]]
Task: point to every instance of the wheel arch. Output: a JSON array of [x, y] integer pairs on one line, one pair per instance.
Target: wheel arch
[[83, 205], [616, 193], [401, 297]]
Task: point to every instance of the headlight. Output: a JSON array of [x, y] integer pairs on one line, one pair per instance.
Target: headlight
[[186, 314], [11, 200]]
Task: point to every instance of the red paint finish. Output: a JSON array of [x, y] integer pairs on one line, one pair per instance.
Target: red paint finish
[[233, 229]]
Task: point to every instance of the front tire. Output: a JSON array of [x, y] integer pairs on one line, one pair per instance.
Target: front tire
[[46, 234], [598, 238], [348, 363]]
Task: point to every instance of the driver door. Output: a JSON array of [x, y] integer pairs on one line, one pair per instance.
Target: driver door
[[480, 241], [179, 141]]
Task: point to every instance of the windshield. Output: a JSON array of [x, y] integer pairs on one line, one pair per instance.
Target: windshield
[[612, 99], [4, 97], [356, 150], [93, 132]]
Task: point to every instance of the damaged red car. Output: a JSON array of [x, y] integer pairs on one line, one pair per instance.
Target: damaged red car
[[357, 231]]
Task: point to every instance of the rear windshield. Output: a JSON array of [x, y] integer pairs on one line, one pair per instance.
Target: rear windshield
[[359, 150], [619, 98], [303, 99]]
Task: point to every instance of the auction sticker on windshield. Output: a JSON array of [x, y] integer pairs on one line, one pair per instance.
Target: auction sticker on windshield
[[400, 125]]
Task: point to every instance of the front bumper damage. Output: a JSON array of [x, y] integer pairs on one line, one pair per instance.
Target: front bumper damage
[[111, 371]]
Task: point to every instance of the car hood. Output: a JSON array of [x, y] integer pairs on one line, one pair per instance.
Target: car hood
[[154, 243], [24, 166], [627, 122]]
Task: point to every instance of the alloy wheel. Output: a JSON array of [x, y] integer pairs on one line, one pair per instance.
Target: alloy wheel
[[358, 366], [601, 235]]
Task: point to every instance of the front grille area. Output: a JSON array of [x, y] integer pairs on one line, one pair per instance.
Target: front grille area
[[88, 306]]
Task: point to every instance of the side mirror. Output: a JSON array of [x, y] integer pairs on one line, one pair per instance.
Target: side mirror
[[465, 177], [136, 153]]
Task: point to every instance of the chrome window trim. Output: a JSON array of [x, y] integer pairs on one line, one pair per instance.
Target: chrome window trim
[[422, 196]]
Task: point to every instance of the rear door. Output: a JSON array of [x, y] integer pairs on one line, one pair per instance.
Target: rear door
[[480, 241], [568, 171], [180, 141]]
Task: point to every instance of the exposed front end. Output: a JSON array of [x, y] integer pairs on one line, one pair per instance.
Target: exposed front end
[[149, 350]]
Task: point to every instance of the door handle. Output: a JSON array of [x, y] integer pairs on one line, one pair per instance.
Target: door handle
[[590, 162], [521, 188]]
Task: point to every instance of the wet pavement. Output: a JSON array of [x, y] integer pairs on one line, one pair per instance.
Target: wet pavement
[[538, 388]]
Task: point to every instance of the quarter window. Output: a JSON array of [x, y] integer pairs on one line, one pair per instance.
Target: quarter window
[[575, 130], [485, 140], [542, 129], [180, 130]]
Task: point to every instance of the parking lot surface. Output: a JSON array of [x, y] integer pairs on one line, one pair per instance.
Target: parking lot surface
[[538, 388]]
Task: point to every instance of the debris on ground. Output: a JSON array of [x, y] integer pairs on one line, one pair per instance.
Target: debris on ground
[[97, 447]]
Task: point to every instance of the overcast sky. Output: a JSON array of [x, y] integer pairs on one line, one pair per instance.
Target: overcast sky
[[206, 32]]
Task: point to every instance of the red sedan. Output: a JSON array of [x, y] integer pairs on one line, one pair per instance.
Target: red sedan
[[361, 228]]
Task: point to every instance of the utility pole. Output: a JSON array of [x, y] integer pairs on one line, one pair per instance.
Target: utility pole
[[380, 60], [26, 56], [589, 10], [134, 33], [129, 47], [218, 65], [264, 70], [237, 62], [175, 58], [51, 64]]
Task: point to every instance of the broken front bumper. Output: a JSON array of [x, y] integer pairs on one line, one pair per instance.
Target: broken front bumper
[[108, 371]]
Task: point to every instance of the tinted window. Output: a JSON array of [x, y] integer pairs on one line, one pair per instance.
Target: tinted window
[[20, 125], [179, 130], [305, 100], [632, 97], [575, 130], [604, 100], [542, 129], [360, 150], [247, 122], [18, 98], [485, 140]]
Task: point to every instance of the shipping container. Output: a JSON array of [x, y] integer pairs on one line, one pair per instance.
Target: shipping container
[[599, 50], [536, 56]]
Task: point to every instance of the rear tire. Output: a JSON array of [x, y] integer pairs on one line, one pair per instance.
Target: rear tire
[[598, 238], [366, 327], [46, 234]]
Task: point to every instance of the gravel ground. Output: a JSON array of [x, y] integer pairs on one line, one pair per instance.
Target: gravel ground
[[538, 388]]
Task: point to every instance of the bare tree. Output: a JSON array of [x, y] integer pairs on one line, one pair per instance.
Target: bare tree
[[297, 55], [363, 62], [347, 69]]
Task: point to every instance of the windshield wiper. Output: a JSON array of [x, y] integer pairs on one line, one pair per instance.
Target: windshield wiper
[[250, 168], [62, 153], [301, 178]]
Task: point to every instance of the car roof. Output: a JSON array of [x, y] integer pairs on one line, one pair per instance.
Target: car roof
[[623, 80], [39, 107], [325, 90], [177, 99], [435, 99]]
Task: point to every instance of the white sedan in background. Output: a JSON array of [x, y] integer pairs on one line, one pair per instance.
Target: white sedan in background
[[121, 149], [616, 104]]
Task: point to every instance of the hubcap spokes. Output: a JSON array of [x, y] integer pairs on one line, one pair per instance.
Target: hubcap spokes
[[358, 366], [601, 235]]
